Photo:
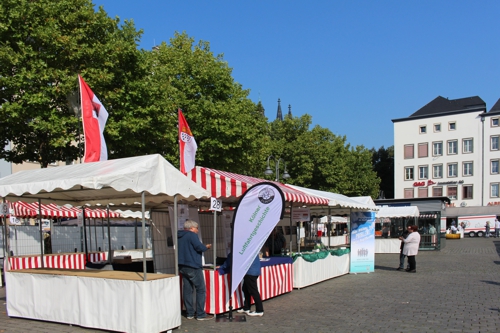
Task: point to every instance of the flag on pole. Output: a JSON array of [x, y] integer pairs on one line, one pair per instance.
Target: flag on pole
[[259, 209], [94, 117], [187, 145]]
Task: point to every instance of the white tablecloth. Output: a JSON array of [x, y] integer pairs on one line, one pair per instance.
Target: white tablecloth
[[307, 273], [103, 303], [387, 245]]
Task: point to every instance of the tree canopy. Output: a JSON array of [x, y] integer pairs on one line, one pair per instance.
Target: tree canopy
[[45, 44]]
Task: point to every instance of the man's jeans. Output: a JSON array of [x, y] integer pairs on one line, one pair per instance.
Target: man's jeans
[[192, 277], [401, 260]]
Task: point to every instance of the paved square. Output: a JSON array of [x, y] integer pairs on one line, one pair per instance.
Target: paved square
[[456, 289]]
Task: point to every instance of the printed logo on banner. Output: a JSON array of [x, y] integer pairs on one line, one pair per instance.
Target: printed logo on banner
[[266, 195]]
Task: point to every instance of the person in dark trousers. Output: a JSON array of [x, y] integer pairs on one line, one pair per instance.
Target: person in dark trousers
[[190, 267], [250, 288], [404, 234]]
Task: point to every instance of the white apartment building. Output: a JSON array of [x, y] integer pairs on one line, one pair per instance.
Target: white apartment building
[[450, 148]]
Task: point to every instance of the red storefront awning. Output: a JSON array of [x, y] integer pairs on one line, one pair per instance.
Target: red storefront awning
[[222, 184]]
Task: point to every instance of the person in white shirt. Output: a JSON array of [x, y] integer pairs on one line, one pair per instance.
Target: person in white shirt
[[453, 229], [497, 228]]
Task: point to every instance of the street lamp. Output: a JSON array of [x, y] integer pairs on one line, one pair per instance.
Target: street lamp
[[269, 171]]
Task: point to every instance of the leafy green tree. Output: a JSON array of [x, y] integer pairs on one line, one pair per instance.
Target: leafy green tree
[[228, 127], [316, 158], [383, 165], [44, 44]]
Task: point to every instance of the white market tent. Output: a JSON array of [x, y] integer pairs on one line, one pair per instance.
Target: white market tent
[[149, 181], [338, 200], [406, 211]]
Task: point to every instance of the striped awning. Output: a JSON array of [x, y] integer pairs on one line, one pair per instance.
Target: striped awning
[[26, 210], [222, 184]]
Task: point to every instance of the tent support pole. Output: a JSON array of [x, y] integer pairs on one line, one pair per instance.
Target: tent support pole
[[174, 237], [291, 226], [144, 265], [85, 236], [214, 245], [329, 227], [110, 253], [6, 238], [41, 231]]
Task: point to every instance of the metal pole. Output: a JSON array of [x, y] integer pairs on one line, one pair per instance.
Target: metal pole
[[85, 235], [6, 264], [291, 226], [329, 228], [176, 251], [41, 231], [110, 254], [144, 265], [214, 246]]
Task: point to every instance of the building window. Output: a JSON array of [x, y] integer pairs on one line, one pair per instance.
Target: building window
[[494, 142], [423, 149], [467, 192], [452, 147], [437, 127], [467, 169], [452, 170], [423, 192], [468, 146], [437, 171], [408, 193], [408, 151], [494, 190], [409, 173], [437, 191], [423, 172], [452, 126], [452, 192], [494, 167], [423, 129], [437, 148], [494, 122]]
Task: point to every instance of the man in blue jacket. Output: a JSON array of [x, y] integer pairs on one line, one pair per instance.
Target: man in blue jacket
[[190, 266]]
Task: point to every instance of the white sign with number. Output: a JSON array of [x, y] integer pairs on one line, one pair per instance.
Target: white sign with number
[[215, 204]]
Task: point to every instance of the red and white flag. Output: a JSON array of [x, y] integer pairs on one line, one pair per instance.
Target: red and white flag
[[187, 145], [94, 117]]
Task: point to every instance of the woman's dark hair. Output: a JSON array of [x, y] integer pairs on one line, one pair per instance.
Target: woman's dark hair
[[414, 227]]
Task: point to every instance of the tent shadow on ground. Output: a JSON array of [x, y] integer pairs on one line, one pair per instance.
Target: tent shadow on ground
[[491, 282], [385, 268]]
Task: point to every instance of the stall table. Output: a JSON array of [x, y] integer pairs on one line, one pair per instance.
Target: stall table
[[276, 278], [326, 265], [387, 245], [108, 300]]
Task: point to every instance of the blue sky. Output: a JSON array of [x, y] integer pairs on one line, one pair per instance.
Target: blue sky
[[352, 65]]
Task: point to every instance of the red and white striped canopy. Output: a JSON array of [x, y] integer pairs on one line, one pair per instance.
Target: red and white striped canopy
[[222, 184], [23, 209]]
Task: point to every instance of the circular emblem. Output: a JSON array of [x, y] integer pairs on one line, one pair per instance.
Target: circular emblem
[[185, 137], [266, 195]]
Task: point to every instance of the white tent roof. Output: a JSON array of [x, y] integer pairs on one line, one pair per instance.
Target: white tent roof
[[337, 200], [119, 181], [406, 211], [367, 200], [334, 219]]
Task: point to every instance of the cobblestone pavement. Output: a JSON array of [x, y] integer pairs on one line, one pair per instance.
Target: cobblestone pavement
[[456, 289]]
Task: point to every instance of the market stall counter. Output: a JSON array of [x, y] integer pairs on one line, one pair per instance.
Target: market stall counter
[[95, 298], [313, 267], [276, 278]]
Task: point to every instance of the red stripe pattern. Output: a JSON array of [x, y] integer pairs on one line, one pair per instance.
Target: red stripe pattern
[[62, 261], [222, 184], [273, 281], [26, 210]]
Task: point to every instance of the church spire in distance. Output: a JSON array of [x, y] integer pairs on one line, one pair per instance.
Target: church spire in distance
[[279, 115]]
